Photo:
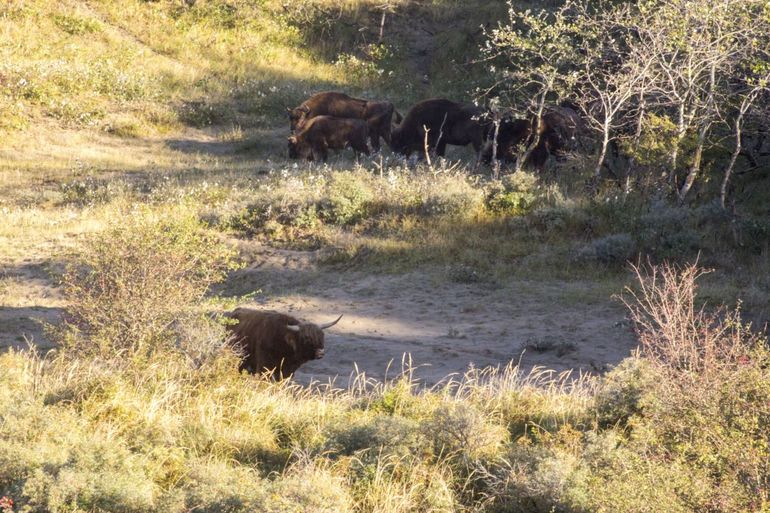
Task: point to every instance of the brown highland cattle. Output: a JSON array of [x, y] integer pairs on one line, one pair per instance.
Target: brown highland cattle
[[447, 122], [378, 115], [275, 342], [324, 132]]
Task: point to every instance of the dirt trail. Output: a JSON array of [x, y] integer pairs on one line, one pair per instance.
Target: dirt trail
[[445, 326], [28, 300]]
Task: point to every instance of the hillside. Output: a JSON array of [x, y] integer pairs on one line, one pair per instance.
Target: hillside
[[573, 337], [151, 68]]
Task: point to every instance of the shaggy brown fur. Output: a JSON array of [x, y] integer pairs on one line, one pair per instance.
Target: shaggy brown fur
[[377, 114], [269, 345], [324, 132], [447, 123]]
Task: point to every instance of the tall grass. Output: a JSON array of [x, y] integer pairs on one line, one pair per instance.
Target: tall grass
[[177, 430]]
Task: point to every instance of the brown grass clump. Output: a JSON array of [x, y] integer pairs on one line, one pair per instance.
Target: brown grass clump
[[674, 332], [137, 285]]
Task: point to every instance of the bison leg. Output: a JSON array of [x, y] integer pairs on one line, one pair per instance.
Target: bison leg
[[359, 145], [319, 149], [358, 150], [538, 157], [374, 137], [478, 147], [323, 150]]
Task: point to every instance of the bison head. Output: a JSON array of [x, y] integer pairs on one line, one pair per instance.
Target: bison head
[[297, 117], [560, 131], [298, 150], [293, 150], [307, 339]]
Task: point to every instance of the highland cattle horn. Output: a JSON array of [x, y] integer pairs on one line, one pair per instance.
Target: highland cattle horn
[[329, 325], [292, 327]]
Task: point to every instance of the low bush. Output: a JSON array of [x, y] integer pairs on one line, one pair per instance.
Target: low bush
[[302, 205], [614, 249], [347, 198], [133, 286], [515, 194]]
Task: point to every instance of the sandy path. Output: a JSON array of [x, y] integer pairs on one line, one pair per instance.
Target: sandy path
[[445, 326], [27, 301]]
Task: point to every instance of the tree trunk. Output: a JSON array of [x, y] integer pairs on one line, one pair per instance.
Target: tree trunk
[[681, 129], [495, 162], [696, 161], [637, 137], [731, 165], [522, 157], [603, 152], [702, 133], [745, 105]]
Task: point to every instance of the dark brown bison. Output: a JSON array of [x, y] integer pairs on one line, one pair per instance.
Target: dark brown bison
[[558, 130], [447, 122], [275, 342], [377, 114], [324, 132]]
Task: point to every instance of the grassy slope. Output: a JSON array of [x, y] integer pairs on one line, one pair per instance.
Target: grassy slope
[[138, 68]]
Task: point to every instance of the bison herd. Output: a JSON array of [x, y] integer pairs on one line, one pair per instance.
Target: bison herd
[[333, 120], [277, 344]]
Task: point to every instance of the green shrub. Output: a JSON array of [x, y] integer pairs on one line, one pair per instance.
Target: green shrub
[[263, 215], [712, 390], [532, 479], [622, 392], [347, 198], [402, 485], [199, 113], [213, 487], [614, 249], [90, 191], [755, 235], [369, 68], [665, 231], [452, 196], [308, 488], [76, 25], [559, 221], [460, 432], [379, 435], [50, 460], [516, 194]]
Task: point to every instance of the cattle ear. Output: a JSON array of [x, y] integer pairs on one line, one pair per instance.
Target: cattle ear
[[305, 109], [293, 139], [291, 340]]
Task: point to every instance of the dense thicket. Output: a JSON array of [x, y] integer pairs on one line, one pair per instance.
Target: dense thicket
[[673, 89]]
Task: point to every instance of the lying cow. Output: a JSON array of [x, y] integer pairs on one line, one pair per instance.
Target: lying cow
[[324, 132], [275, 342], [378, 115], [446, 122]]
